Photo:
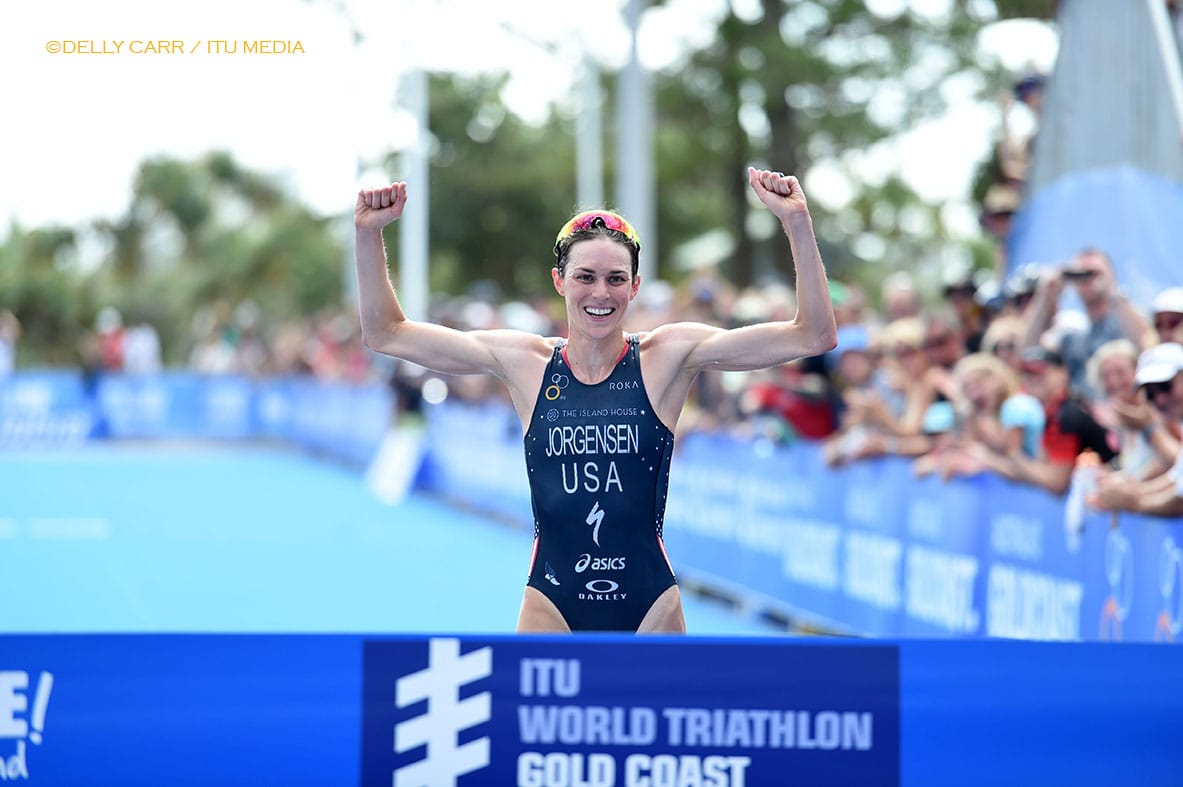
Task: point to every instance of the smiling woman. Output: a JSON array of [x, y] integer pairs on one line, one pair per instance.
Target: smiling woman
[[598, 408]]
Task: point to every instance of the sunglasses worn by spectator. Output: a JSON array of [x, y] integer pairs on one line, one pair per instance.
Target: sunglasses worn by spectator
[[1033, 368], [1167, 323], [593, 219], [1154, 389]]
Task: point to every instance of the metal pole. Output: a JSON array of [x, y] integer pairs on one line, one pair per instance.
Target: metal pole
[[634, 135], [413, 227], [1168, 49], [589, 142]]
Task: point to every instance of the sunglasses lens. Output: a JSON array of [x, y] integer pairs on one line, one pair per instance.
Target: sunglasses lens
[[592, 219]]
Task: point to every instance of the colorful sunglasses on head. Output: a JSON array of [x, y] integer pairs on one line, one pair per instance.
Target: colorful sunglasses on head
[[590, 219]]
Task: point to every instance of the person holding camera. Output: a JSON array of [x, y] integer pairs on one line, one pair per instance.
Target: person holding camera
[[1110, 314]]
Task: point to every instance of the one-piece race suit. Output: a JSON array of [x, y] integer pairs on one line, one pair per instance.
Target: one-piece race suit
[[598, 460]]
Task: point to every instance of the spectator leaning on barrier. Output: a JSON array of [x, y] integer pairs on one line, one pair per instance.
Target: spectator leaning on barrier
[[944, 346], [1123, 410], [992, 413], [881, 412], [1069, 431], [1160, 377], [1110, 314]]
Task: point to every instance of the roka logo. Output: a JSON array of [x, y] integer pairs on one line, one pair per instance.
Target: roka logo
[[446, 716]]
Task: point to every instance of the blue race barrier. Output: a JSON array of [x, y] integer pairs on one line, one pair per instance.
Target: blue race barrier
[[341, 420], [583, 711], [868, 548], [46, 407]]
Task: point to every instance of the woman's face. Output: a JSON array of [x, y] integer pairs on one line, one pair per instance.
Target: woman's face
[[1116, 374], [910, 358], [983, 391], [597, 285]]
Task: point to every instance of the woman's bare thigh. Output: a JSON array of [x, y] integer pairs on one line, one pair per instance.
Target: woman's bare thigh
[[665, 616], [539, 615]]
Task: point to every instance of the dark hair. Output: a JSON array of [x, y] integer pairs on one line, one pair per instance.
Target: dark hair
[[597, 230]]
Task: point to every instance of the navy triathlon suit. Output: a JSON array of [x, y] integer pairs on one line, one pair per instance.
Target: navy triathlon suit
[[598, 460]]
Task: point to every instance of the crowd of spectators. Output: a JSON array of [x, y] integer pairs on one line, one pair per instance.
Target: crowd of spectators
[[985, 376], [1006, 380]]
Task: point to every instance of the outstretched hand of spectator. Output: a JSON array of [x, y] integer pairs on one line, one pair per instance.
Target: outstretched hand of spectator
[[1136, 416], [1113, 492]]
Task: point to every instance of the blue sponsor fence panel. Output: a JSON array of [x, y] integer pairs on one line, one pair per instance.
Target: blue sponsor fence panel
[[46, 407], [869, 547], [583, 711], [344, 420], [177, 405]]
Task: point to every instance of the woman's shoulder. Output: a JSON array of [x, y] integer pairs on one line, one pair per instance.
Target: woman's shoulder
[[675, 333]]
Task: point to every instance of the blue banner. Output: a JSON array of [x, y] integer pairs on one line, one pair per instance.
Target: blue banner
[[868, 548], [340, 420], [582, 711], [596, 713]]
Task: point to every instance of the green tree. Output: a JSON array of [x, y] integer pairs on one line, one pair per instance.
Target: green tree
[[195, 234]]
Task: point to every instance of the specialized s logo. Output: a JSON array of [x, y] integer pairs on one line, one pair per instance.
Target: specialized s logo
[[595, 517], [446, 716]]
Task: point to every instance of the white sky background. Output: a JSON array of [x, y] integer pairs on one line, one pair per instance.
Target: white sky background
[[78, 125]]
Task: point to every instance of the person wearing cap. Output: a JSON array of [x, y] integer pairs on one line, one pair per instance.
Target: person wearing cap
[[598, 409], [1110, 314], [876, 417], [1123, 410], [943, 346], [1167, 312], [959, 291], [1159, 377], [1069, 429]]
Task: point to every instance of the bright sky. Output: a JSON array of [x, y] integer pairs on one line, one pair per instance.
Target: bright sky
[[80, 120]]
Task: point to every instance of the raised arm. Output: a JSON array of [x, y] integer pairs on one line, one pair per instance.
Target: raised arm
[[386, 328], [813, 330]]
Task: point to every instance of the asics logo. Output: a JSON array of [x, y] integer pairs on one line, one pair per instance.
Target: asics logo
[[587, 562]]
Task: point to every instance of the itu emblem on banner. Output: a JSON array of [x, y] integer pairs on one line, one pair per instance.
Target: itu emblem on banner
[[626, 713], [436, 709], [446, 716]]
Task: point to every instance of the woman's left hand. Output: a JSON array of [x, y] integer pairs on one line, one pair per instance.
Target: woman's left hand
[[781, 193]]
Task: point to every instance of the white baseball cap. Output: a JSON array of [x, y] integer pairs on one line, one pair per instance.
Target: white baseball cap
[[1159, 364], [1169, 300]]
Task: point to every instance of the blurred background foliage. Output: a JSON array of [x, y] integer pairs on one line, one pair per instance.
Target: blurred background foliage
[[799, 82]]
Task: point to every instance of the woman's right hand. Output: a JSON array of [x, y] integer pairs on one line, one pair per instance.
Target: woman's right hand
[[376, 208]]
